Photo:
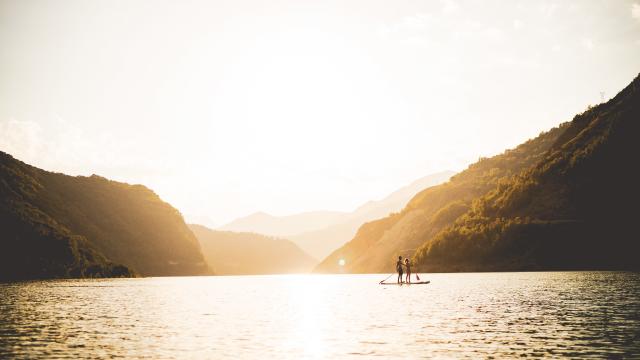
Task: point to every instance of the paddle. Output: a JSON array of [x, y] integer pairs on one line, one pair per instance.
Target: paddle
[[386, 278]]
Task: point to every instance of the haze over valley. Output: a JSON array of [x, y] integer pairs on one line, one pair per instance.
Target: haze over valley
[[321, 232], [460, 135]]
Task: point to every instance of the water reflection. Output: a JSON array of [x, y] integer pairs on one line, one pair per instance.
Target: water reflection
[[563, 314]]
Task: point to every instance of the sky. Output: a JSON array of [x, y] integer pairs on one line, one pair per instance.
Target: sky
[[225, 108]]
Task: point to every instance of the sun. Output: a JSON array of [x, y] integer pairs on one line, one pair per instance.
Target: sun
[[341, 262]]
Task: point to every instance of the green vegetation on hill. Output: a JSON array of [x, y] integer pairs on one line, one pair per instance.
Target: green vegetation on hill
[[54, 225], [574, 209], [236, 253], [564, 200], [378, 242], [34, 246]]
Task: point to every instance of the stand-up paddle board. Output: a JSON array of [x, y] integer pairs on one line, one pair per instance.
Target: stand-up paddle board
[[411, 283]]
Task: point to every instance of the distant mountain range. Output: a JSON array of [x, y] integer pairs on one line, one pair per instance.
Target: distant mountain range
[[232, 253], [320, 232], [283, 226], [564, 200], [320, 243], [55, 225]]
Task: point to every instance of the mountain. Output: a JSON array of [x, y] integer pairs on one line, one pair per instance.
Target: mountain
[[322, 242], [55, 225], [398, 199], [564, 200], [249, 253], [574, 209], [318, 233], [283, 226]]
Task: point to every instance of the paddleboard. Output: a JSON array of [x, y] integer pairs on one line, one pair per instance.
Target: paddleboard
[[411, 283]]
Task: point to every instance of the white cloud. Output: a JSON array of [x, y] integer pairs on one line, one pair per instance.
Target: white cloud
[[62, 146], [587, 44], [409, 27], [518, 24], [450, 6], [549, 9], [493, 34], [418, 21], [635, 11], [384, 31], [21, 139]]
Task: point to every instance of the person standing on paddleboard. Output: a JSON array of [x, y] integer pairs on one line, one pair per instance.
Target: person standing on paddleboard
[[399, 269], [407, 264]]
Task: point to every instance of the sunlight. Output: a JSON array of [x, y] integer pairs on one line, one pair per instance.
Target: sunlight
[[235, 110], [307, 297]]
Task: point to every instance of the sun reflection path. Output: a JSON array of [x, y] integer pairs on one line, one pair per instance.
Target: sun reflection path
[[311, 315]]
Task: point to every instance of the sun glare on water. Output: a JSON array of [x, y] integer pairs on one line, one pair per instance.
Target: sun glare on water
[[312, 317]]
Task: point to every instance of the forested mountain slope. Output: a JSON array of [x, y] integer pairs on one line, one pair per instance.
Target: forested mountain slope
[[562, 200], [54, 225], [574, 209]]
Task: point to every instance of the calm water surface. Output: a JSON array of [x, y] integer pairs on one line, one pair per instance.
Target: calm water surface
[[557, 314]]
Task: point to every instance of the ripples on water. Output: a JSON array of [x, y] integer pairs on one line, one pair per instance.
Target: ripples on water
[[556, 314]]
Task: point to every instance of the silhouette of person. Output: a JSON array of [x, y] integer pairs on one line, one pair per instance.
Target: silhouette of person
[[407, 264], [399, 265]]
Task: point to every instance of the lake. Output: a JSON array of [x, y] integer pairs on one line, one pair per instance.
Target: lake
[[473, 315]]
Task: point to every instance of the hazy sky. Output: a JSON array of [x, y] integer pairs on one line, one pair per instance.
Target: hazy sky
[[229, 107]]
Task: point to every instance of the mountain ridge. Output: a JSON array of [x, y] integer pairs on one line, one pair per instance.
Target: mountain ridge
[[556, 214], [250, 254], [125, 225], [477, 210], [322, 242], [328, 230]]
